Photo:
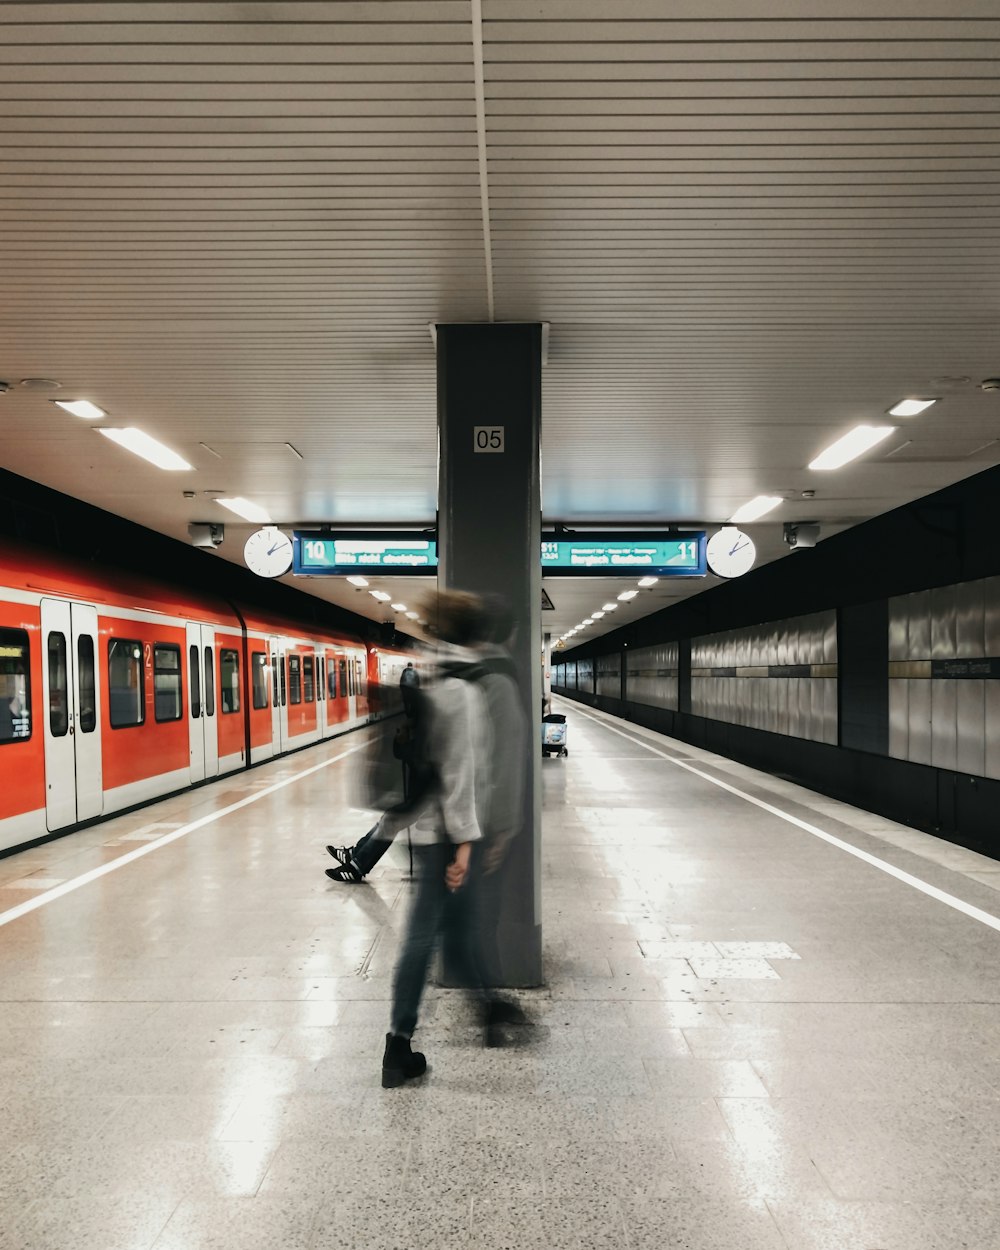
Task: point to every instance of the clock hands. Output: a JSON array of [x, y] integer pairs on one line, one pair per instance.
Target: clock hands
[[276, 546]]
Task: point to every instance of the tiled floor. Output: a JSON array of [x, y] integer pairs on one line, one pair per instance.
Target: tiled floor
[[749, 1040]]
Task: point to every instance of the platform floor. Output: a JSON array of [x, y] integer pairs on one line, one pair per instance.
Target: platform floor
[[750, 1039]]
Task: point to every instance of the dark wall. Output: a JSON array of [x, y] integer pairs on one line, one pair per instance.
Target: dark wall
[[945, 538], [32, 513]]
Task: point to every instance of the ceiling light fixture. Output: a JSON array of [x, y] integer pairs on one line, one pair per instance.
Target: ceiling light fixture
[[245, 508], [610, 607], [597, 615], [910, 407], [412, 615], [647, 581], [357, 580], [80, 408], [626, 595], [855, 443], [755, 508], [399, 607], [141, 444], [380, 595]]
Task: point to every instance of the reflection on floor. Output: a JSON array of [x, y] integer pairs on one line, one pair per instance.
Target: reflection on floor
[[748, 1038]]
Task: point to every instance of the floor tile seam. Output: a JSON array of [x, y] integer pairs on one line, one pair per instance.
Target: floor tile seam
[[950, 900]]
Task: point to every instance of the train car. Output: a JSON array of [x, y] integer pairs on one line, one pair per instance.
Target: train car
[[116, 690]]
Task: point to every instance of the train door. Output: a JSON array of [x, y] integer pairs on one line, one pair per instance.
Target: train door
[[73, 766], [203, 730], [279, 695]]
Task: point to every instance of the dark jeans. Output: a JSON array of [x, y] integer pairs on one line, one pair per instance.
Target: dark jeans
[[432, 913], [369, 851]]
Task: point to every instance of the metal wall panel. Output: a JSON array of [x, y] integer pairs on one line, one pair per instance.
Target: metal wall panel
[[991, 606], [919, 708], [918, 646], [897, 628], [992, 728], [829, 685], [899, 709], [829, 637], [970, 755], [943, 614], [970, 620], [944, 723]]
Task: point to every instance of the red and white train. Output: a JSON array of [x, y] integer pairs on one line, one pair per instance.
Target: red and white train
[[115, 690]]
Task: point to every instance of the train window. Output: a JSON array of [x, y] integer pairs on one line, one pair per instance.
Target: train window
[[58, 686], [320, 688], [194, 681], [229, 673], [258, 668], [15, 686], [282, 682], [209, 682], [86, 680], [294, 679], [331, 680], [168, 703], [350, 676], [342, 665], [359, 681], [125, 683], [308, 685]]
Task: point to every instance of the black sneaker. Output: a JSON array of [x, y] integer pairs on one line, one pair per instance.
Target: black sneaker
[[342, 854], [399, 1062], [348, 872]]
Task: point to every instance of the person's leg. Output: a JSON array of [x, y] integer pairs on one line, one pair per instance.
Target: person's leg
[[423, 926]]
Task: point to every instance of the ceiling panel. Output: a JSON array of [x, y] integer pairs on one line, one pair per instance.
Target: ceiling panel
[[748, 231]]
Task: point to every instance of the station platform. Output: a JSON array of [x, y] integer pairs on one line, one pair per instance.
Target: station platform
[[770, 1022]]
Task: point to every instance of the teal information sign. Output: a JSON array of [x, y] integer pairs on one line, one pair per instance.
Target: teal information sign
[[676, 555], [324, 555]]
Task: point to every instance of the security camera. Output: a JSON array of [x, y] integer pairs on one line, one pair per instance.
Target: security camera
[[206, 535], [800, 535]]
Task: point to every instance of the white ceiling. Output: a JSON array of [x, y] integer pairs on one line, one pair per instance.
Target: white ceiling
[[230, 224]]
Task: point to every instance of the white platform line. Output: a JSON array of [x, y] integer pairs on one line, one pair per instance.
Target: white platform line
[[950, 900], [15, 913]]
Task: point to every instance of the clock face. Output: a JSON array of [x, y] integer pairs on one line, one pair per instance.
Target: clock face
[[730, 552], [268, 553]]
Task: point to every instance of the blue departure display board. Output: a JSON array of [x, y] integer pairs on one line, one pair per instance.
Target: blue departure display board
[[327, 555], [614, 555]]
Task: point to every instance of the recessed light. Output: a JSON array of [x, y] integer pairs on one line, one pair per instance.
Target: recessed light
[[597, 615], [399, 607], [610, 607], [357, 580], [910, 407], [40, 384], [141, 444], [755, 508], [81, 408], [855, 443], [626, 595], [245, 508], [647, 581], [412, 616], [380, 595]]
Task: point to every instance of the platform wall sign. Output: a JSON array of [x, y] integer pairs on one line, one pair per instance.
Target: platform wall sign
[[327, 555], [605, 555]]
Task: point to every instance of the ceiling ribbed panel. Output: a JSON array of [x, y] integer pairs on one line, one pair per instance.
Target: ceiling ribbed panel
[[748, 228], [749, 233]]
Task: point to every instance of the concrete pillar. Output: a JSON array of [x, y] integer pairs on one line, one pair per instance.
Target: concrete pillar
[[489, 538]]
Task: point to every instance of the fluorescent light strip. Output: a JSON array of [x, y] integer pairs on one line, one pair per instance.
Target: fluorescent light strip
[[855, 443], [399, 607], [81, 408], [910, 407], [626, 595], [610, 607], [246, 508], [358, 580], [647, 581], [141, 444], [757, 507]]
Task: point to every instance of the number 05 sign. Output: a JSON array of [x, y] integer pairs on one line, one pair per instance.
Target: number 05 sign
[[487, 438]]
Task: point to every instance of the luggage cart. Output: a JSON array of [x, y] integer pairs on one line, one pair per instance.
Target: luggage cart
[[554, 734]]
